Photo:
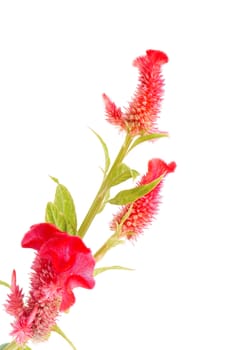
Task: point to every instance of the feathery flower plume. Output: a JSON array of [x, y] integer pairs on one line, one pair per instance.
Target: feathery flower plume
[[141, 115], [143, 210]]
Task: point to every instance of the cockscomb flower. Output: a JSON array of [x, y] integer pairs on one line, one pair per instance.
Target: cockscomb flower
[[62, 263], [143, 210], [141, 115]]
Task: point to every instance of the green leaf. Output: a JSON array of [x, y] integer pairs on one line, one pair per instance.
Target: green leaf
[[54, 216], [2, 346], [131, 195], [55, 179], [149, 137], [65, 204], [5, 284], [123, 173], [106, 152], [99, 270], [62, 211]]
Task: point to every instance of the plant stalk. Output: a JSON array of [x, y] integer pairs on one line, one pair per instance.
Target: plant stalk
[[105, 186], [63, 335]]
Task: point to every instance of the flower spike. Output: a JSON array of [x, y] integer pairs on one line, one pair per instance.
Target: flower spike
[[143, 210], [141, 115]]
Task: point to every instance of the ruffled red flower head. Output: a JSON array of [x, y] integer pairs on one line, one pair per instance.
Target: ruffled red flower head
[[62, 263]]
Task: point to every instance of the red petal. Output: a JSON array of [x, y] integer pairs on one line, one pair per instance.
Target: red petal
[[84, 281], [68, 299], [39, 234], [62, 251], [156, 168], [152, 57]]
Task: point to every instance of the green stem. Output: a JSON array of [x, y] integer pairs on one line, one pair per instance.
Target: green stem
[[105, 186], [13, 346], [62, 334], [111, 242], [5, 284]]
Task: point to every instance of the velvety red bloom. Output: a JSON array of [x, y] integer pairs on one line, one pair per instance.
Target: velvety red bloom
[[141, 115], [62, 263], [145, 208]]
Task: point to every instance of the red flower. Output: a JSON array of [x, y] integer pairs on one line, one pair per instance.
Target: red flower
[[62, 263], [141, 115], [145, 208]]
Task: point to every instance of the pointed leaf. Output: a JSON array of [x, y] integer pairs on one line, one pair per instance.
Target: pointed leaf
[[54, 179], [123, 173], [70, 229], [129, 196], [65, 204], [54, 216], [62, 211], [99, 270], [105, 149], [148, 137]]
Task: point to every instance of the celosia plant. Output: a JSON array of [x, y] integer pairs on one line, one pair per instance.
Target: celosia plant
[[62, 261]]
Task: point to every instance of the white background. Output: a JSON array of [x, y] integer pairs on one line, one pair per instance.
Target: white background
[[56, 59]]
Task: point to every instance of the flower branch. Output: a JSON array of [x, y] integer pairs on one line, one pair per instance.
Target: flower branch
[[63, 261], [104, 188]]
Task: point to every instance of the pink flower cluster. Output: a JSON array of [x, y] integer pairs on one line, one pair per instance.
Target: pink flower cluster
[[62, 263], [140, 119], [143, 210], [141, 115]]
